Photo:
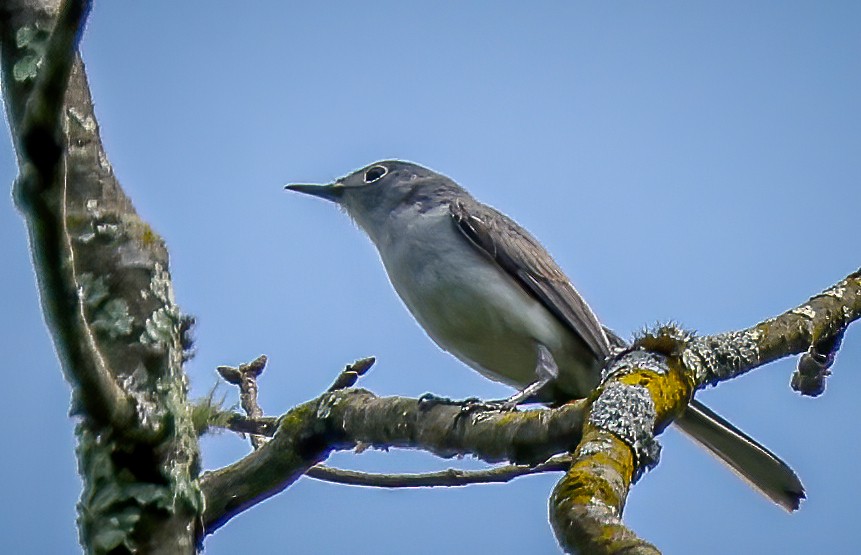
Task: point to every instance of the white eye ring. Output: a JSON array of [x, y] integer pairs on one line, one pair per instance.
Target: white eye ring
[[375, 173]]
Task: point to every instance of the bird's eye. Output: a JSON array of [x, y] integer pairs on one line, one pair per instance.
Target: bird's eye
[[375, 173]]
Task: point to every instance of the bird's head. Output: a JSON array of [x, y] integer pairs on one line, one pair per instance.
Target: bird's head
[[370, 195]]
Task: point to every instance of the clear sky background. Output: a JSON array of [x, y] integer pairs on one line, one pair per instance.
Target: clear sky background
[[692, 161]]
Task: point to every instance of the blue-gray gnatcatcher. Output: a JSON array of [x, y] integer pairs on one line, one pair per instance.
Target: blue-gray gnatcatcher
[[486, 291]]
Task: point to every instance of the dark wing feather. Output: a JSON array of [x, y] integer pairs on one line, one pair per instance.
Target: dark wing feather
[[531, 266]]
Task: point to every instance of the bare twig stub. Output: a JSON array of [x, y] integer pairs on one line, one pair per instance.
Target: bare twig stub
[[263, 426], [245, 377], [351, 374], [814, 366]]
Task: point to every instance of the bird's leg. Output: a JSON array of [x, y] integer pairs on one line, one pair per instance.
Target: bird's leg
[[546, 370]]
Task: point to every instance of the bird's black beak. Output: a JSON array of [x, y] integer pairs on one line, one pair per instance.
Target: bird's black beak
[[332, 191]]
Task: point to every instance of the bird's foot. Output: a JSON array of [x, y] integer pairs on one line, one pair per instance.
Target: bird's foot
[[473, 405], [468, 406], [429, 400]]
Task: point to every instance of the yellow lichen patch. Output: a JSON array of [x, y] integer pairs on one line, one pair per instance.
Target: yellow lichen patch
[[670, 391], [507, 418], [598, 474], [294, 419], [586, 505], [140, 231], [148, 237]]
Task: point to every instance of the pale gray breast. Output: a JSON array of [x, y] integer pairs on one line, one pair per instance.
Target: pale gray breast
[[471, 307]]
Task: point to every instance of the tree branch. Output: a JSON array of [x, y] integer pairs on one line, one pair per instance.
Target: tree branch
[[254, 423], [40, 194], [448, 478], [641, 393], [263, 426], [341, 419], [644, 390], [721, 357], [105, 291], [646, 386], [586, 505], [41, 123]]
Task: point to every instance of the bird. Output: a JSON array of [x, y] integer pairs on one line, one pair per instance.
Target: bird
[[486, 291]]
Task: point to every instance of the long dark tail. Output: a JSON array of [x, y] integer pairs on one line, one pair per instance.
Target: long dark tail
[[743, 454]]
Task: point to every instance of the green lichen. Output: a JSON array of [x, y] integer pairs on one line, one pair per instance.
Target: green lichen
[[111, 317], [93, 289], [88, 123], [108, 510], [161, 286], [25, 36], [114, 319], [115, 503], [108, 230], [161, 329], [123, 500], [27, 67], [296, 418], [140, 231], [183, 465], [34, 40], [148, 237]]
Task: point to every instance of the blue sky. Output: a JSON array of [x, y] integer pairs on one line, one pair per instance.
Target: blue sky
[[698, 162]]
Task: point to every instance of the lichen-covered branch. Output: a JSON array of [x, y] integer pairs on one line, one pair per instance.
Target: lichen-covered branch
[[343, 418], [644, 389], [716, 358], [651, 383], [586, 505], [642, 392], [239, 423], [36, 68], [40, 139], [105, 291]]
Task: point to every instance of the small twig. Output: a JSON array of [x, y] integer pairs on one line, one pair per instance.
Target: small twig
[[351, 374], [449, 477], [245, 376]]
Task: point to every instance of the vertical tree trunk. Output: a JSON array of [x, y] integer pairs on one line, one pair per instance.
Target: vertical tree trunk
[[106, 293]]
